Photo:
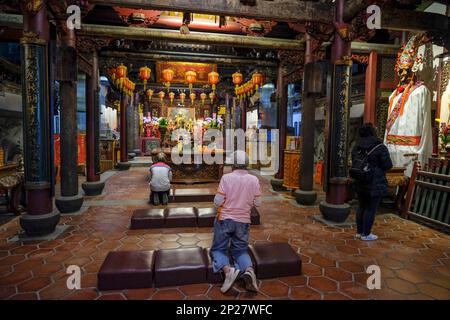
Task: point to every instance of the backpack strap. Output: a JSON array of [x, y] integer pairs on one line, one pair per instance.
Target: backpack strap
[[373, 149]]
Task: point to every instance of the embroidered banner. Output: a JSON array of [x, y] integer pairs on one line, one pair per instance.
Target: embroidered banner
[[403, 140]]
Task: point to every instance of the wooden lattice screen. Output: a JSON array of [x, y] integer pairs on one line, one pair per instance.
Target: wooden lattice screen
[[428, 196]]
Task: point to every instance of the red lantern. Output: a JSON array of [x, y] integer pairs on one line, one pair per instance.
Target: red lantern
[[203, 97], [121, 73], [144, 74], [191, 78], [182, 97], [257, 80], [171, 97], [237, 78], [168, 77], [213, 79]]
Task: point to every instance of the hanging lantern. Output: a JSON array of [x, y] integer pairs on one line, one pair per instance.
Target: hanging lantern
[[149, 94], [182, 97], [192, 96], [121, 73], [203, 98], [191, 78], [213, 79], [167, 77], [257, 80], [144, 75], [212, 96], [161, 95], [237, 80], [171, 97]]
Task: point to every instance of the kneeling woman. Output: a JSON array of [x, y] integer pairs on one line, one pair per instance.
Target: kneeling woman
[[160, 176]]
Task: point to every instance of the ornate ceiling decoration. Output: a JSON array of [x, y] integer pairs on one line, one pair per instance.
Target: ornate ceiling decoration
[[254, 27], [138, 17]]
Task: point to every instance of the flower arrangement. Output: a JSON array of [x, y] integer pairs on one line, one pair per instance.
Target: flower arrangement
[[162, 122], [444, 135]]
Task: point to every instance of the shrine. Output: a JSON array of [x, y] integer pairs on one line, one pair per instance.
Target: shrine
[[267, 149]]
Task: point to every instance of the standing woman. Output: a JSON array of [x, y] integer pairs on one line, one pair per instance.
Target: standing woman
[[370, 161]]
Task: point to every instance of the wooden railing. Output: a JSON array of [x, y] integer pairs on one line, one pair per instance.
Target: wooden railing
[[428, 196]]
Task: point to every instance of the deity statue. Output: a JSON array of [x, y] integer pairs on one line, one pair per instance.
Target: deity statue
[[179, 120], [408, 135], [190, 125]]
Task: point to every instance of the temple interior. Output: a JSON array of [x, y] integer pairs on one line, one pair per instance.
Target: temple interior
[[96, 94]]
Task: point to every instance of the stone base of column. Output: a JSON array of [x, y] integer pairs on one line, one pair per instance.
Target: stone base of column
[[306, 198], [69, 204], [277, 185], [138, 152], [131, 155], [93, 188], [39, 225], [335, 212], [123, 166]]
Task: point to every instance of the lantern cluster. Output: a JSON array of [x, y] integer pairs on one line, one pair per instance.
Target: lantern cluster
[[248, 88], [120, 80]]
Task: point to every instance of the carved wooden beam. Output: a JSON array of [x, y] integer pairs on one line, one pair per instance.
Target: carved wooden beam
[[279, 10], [134, 33]]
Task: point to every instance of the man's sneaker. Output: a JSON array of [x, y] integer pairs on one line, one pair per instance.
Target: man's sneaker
[[165, 199], [156, 199], [249, 278], [230, 278], [370, 237]]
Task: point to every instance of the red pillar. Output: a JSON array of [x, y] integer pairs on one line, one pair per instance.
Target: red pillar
[[282, 120], [370, 97], [123, 164]]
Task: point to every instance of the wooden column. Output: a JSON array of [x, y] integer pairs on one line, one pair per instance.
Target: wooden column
[[40, 218], [282, 119], [93, 186], [370, 97], [123, 164], [312, 82], [335, 208]]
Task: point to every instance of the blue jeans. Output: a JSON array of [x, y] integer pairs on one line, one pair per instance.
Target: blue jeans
[[226, 231]]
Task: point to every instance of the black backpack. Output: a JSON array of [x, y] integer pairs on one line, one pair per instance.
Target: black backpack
[[361, 169]]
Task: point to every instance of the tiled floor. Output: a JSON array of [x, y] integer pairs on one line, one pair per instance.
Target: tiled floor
[[414, 260]]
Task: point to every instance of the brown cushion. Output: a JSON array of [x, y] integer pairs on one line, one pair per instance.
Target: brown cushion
[[275, 260], [147, 218], [175, 267], [206, 216], [180, 217], [211, 276], [254, 216], [126, 270], [194, 195]]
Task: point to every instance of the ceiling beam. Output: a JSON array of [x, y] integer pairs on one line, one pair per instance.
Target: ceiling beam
[[187, 56], [146, 34], [415, 21], [279, 10], [353, 7]]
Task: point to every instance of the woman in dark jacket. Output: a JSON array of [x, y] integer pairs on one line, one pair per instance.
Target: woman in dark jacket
[[370, 193]]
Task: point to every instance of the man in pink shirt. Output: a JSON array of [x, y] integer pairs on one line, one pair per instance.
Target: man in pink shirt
[[238, 192]]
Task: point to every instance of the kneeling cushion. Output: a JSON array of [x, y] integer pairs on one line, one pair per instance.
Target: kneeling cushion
[[147, 218], [175, 267], [212, 277], [206, 216], [275, 260], [126, 270], [180, 217], [194, 195]]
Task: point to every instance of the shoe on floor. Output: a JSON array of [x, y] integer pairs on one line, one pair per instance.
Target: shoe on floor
[[249, 278], [165, 199], [156, 199], [230, 278], [370, 237], [358, 236]]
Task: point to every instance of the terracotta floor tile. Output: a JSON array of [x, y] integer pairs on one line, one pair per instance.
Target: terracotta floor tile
[[304, 293], [195, 289], [34, 284], [351, 266], [335, 296], [355, 291], [401, 286], [410, 276], [11, 260], [24, 296], [274, 288], [15, 278], [168, 294], [112, 296], [338, 274], [215, 293], [6, 292], [82, 294], [294, 280], [310, 269], [322, 284], [434, 291], [139, 294], [28, 264]]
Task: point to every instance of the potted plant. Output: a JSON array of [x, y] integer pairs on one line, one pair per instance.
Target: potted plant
[[444, 137]]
